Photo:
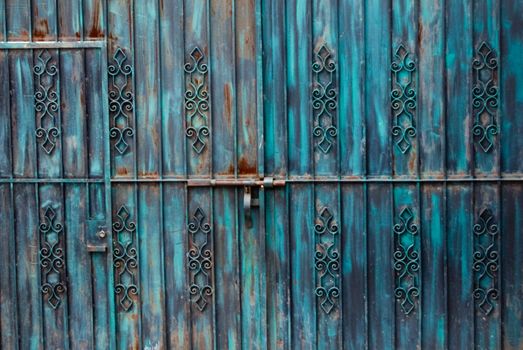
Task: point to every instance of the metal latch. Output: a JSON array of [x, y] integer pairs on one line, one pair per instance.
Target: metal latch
[[96, 235], [250, 190]]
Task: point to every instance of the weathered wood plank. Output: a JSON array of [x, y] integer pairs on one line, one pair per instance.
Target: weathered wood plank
[[93, 19], [18, 18], [6, 162], [44, 19], [70, 20]]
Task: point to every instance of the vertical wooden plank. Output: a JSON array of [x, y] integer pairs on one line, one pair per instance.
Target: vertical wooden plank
[[432, 88], [44, 17], [303, 314], [128, 323], [246, 87], [354, 267], [324, 42], [73, 113], [486, 30], [275, 98], [299, 111], [377, 54], [433, 262], [70, 26], [22, 113], [121, 36], [512, 266], [177, 311], [227, 267], [3, 20], [94, 19], [404, 110], [459, 272], [487, 324], [328, 276], [351, 87], [79, 271], [196, 37], [8, 290], [18, 15], [172, 87], [278, 269], [201, 247], [151, 267], [101, 278], [29, 295], [380, 275], [148, 115], [407, 266], [6, 164], [223, 94], [511, 83], [94, 110], [459, 50]]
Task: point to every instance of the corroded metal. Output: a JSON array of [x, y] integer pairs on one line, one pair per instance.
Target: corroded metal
[[485, 97], [403, 98], [406, 260], [197, 100], [125, 259], [46, 100], [121, 101], [486, 261], [327, 260], [52, 258], [324, 98], [199, 260]]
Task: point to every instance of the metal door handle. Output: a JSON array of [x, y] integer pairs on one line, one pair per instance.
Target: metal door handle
[[96, 235]]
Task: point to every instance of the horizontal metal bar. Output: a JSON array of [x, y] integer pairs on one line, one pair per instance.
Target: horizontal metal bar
[[41, 181], [19, 45]]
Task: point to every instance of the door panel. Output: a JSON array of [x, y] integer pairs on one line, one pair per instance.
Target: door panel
[[218, 174]]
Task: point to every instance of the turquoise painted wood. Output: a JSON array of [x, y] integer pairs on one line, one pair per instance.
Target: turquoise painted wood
[[301, 174]]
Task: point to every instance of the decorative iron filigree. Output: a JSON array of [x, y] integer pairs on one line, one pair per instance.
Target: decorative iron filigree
[[486, 261], [199, 260], [46, 100], [403, 98], [327, 260], [121, 101], [125, 258], [52, 262], [324, 98], [406, 260], [485, 96], [196, 100]]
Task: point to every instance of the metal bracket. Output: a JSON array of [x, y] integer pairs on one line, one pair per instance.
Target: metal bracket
[[96, 235]]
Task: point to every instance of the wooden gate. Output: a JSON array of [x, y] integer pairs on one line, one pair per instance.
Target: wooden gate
[[329, 174]]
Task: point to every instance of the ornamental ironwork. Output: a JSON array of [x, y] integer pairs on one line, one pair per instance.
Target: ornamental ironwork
[[485, 97], [121, 101], [125, 259], [324, 99], [403, 98], [327, 260], [46, 100], [199, 260], [196, 100], [52, 261], [486, 261], [406, 260]]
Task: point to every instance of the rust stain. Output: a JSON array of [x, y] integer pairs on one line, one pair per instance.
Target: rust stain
[[95, 31], [244, 167], [227, 103], [41, 29], [122, 171]]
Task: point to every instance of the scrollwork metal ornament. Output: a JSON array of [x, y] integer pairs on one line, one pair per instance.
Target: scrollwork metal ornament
[[121, 101], [125, 259], [406, 260], [485, 97], [486, 261], [199, 260], [196, 100], [327, 260], [52, 260], [324, 99], [403, 98], [46, 100]]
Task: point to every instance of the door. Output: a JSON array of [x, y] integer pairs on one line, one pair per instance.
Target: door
[[218, 174]]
